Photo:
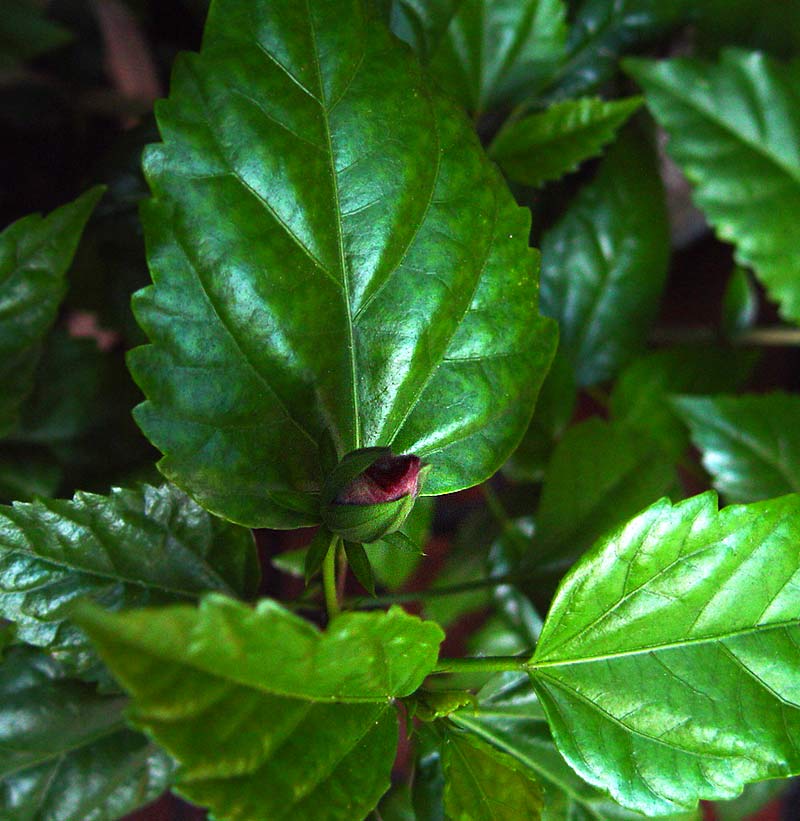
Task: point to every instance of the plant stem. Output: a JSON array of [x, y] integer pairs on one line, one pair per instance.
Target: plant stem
[[777, 336], [329, 580], [434, 592], [483, 664]]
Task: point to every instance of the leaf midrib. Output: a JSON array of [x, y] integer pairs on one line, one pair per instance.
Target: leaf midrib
[[675, 645], [337, 213]]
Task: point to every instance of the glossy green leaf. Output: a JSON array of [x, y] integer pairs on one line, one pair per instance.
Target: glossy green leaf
[[604, 263], [734, 128], [554, 411], [600, 33], [427, 786], [668, 664], [244, 699], [422, 23], [750, 444], [35, 253], [26, 33], [641, 396], [549, 144], [315, 279], [601, 474], [65, 752], [131, 548], [484, 784], [509, 717], [740, 304], [485, 53]]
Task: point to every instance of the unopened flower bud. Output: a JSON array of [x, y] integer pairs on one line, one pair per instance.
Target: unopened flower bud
[[376, 500]]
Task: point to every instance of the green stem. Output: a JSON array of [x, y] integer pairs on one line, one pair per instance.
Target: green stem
[[434, 592], [329, 580], [484, 664]]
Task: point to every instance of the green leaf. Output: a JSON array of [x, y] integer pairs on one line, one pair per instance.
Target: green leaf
[[601, 474], [554, 411], [740, 304], [604, 263], [35, 253], [485, 53], [392, 565], [484, 784], [509, 717], [66, 753], [26, 33], [359, 564], [601, 32], [244, 700], [667, 666], [314, 279], [750, 444], [314, 555], [640, 399], [131, 548], [734, 127], [549, 144]]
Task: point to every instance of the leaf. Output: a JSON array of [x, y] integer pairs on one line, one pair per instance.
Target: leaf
[[359, 564], [604, 263], [733, 129], [26, 33], [483, 784], [131, 548], [422, 23], [750, 444], [66, 753], [35, 253], [601, 474], [640, 399], [485, 53], [509, 717], [244, 700], [601, 32], [549, 144], [667, 666], [314, 279], [739, 304], [554, 411]]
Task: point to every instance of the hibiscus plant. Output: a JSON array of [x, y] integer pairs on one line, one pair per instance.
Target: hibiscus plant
[[346, 321]]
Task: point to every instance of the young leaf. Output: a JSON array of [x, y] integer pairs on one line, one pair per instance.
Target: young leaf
[[734, 127], [131, 548], [243, 699], [485, 53], [640, 399], [547, 145], [604, 263], [484, 784], [509, 717], [35, 253], [600, 474], [750, 444], [66, 753], [359, 564], [313, 278], [667, 666]]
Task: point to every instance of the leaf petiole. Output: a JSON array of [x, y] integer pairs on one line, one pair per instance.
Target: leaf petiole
[[485, 664]]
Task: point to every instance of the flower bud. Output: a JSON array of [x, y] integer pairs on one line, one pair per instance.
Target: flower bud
[[367, 505]]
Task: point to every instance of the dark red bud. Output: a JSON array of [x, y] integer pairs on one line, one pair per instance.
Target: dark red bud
[[387, 479]]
